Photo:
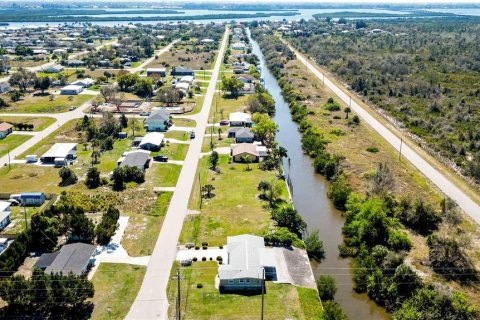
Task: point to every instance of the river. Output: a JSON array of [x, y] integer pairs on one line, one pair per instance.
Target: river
[[309, 193]]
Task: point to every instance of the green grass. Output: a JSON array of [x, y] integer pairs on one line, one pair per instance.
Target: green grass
[[177, 135], [235, 208], [116, 286], [198, 105], [17, 216], [225, 106], [42, 104], [225, 142], [108, 160], [143, 229], [22, 178], [281, 301], [39, 123], [180, 122], [174, 151], [12, 141], [163, 175]]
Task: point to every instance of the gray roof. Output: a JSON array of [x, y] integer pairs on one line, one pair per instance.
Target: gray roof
[[244, 133], [246, 258], [136, 159], [45, 260], [73, 258], [158, 115]]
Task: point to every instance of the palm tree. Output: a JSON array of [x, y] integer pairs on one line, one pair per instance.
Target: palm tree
[[347, 110], [220, 133], [247, 160], [95, 156]]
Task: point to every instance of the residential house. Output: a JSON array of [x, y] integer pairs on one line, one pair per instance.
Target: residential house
[[249, 263], [238, 46], [182, 86], [74, 258], [4, 214], [152, 141], [71, 90], [74, 63], [207, 40], [156, 72], [240, 119], [187, 79], [5, 87], [159, 120], [5, 129], [240, 151], [84, 83], [136, 158], [241, 134], [66, 151], [182, 71]]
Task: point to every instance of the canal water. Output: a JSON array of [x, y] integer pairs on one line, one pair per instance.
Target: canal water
[[309, 193]]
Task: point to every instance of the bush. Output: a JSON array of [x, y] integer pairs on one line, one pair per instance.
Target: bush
[[326, 287], [372, 149], [204, 258], [197, 248], [199, 286], [219, 258], [194, 259], [315, 246], [339, 191], [332, 311]]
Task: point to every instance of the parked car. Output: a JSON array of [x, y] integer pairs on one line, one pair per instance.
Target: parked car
[[192, 135], [224, 123], [144, 113], [160, 158], [71, 108]]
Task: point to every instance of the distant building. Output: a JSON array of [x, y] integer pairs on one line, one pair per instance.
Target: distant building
[[56, 68], [248, 259], [4, 214], [182, 71], [71, 90], [159, 120], [74, 63], [5, 129], [5, 87], [152, 141], [238, 46], [73, 258], [156, 72], [66, 151], [137, 158], [85, 83]]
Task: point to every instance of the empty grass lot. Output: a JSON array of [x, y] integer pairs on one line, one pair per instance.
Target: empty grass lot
[[116, 286], [42, 104], [39, 123], [11, 141], [162, 175], [143, 229], [174, 151], [177, 135], [282, 301], [181, 122], [235, 208], [34, 178], [225, 106], [225, 142]]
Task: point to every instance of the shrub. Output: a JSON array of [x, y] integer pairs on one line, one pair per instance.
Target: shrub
[[194, 259], [315, 245], [204, 258], [372, 149], [197, 248], [199, 285], [219, 258], [326, 287]]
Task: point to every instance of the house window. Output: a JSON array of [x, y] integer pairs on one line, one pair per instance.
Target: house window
[[241, 281], [231, 281], [247, 280]]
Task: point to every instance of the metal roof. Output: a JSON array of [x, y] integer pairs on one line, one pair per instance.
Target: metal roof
[[246, 258], [59, 150], [136, 158], [159, 115], [154, 138]]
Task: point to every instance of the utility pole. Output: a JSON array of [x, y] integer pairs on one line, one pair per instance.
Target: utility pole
[[179, 312], [25, 215], [350, 105], [263, 290], [400, 151], [8, 159], [200, 186]]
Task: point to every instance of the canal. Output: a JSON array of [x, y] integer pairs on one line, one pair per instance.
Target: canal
[[309, 193]]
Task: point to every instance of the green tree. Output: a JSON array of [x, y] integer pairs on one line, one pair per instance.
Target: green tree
[[232, 85], [326, 287], [93, 178], [213, 159], [347, 110], [332, 311], [247, 160], [169, 95], [127, 81], [339, 191], [80, 228], [265, 129], [68, 176], [44, 231], [42, 84], [23, 51], [95, 156], [22, 78], [118, 179], [123, 121], [314, 245], [207, 191], [107, 226], [286, 216]]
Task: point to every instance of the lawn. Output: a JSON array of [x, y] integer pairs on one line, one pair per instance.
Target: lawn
[[108, 160], [198, 105], [22, 178], [281, 301], [162, 175], [17, 217], [143, 229], [174, 151], [66, 133], [182, 122], [225, 142], [223, 106], [11, 141], [39, 123], [235, 208], [177, 135], [116, 286], [43, 104]]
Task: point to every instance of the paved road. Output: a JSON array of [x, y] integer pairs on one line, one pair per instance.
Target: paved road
[[443, 183], [151, 301]]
